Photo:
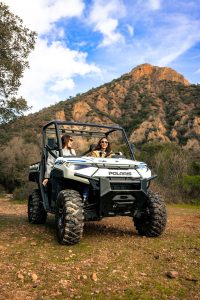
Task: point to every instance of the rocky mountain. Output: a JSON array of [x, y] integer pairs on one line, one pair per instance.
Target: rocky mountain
[[152, 103]]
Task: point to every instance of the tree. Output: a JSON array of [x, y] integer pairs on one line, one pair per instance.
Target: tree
[[16, 42]]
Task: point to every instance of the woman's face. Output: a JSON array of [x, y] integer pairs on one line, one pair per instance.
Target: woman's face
[[104, 144], [69, 142]]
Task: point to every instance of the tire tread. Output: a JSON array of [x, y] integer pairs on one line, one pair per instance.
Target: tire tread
[[38, 214], [157, 217], [73, 218]]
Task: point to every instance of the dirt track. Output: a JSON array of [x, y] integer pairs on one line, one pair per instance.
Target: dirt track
[[111, 262]]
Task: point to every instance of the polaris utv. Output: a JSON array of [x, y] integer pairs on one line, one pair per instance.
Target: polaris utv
[[84, 188]]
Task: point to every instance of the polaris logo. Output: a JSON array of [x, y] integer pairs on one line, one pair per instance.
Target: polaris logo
[[119, 173]]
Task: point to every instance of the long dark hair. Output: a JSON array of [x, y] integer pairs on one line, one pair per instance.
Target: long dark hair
[[108, 149], [65, 139]]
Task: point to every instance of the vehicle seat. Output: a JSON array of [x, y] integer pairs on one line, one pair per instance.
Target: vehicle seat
[[91, 148]]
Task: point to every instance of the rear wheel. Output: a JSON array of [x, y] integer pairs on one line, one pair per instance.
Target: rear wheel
[[151, 220], [36, 212], [69, 217]]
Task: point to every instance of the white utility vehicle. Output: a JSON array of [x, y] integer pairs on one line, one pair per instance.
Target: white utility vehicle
[[84, 188]]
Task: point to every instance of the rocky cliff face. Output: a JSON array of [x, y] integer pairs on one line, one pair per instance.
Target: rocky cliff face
[[157, 74], [152, 103]]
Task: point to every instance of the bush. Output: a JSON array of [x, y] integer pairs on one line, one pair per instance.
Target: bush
[[190, 185], [176, 168], [23, 192], [170, 164], [194, 168], [148, 151], [14, 162]]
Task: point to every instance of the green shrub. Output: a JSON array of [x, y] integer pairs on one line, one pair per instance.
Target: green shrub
[[194, 168], [23, 192], [148, 151], [170, 164], [190, 185], [178, 171]]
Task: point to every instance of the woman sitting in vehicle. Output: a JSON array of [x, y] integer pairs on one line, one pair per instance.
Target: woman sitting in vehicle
[[67, 151], [103, 149]]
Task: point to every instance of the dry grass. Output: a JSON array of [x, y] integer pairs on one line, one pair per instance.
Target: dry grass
[[111, 262]]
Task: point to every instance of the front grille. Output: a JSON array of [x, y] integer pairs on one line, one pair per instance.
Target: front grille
[[132, 186], [115, 167], [123, 179]]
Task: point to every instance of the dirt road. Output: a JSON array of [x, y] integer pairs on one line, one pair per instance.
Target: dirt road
[[111, 262]]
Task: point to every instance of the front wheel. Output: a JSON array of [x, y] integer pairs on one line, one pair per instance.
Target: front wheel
[[69, 217], [151, 219]]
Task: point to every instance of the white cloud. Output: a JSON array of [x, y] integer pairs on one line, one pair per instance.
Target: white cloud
[[155, 4], [174, 43], [104, 16], [62, 85], [167, 38], [40, 15], [107, 28], [52, 69], [161, 38]]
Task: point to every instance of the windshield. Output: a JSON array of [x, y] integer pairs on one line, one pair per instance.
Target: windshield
[[86, 138]]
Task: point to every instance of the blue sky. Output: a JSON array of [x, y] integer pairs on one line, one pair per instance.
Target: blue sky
[[84, 43]]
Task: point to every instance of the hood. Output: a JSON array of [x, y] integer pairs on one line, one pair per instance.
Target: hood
[[100, 161], [105, 167]]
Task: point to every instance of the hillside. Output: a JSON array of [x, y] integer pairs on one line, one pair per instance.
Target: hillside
[[152, 103]]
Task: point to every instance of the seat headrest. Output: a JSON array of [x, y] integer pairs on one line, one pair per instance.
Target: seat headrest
[[93, 147]]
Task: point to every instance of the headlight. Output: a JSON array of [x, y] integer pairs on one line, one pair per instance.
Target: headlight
[[142, 167], [34, 167], [77, 167]]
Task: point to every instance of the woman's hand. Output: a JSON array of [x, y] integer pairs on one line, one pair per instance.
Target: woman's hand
[[45, 181]]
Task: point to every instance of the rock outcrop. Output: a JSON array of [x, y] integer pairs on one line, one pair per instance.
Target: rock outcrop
[[158, 74]]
